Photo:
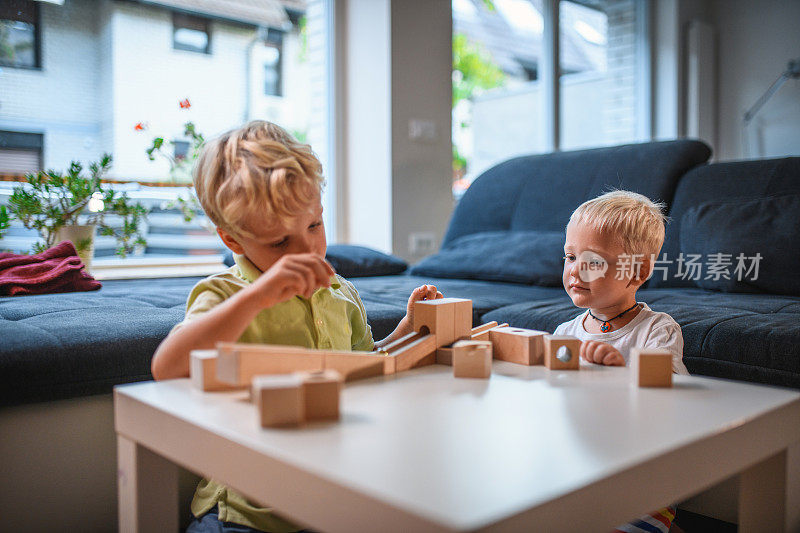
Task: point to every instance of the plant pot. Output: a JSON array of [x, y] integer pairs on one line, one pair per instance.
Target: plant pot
[[83, 239]]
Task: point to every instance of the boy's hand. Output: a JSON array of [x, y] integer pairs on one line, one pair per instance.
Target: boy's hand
[[292, 275], [601, 353]]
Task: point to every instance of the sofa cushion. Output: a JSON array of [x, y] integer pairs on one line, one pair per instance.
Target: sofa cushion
[[77, 344], [751, 337], [731, 181], [353, 261], [539, 192], [757, 233], [530, 257]]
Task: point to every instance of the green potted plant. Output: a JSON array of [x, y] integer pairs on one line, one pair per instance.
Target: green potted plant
[[180, 168], [5, 220], [70, 206]]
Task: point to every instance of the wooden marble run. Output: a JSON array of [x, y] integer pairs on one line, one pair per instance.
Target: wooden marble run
[[283, 379]]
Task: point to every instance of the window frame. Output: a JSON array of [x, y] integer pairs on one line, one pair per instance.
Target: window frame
[[274, 40], [182, 20], [37, 39], [23, 140]]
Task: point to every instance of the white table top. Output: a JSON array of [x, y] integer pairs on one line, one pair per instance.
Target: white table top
[[463, 454]]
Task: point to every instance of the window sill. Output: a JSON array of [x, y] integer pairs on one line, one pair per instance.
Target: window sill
[[156, 267]]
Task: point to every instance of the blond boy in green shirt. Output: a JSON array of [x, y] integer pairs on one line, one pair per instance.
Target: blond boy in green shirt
[[262, 190]]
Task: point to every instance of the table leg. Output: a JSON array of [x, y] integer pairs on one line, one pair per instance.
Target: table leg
[[147, 487], [762, 496]]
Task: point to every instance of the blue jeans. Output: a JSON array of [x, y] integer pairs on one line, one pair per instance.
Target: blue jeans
[[209, 523]]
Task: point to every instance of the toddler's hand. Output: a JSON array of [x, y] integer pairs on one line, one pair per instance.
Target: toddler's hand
[[424, 292], [601, 353], [291, 275]]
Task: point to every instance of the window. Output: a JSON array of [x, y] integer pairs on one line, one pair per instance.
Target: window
[[159, 84], [180, 149], [20, 153], [273, 47], [500, 109], [191, 33], [600, 76], [497, 102], [19, 33]]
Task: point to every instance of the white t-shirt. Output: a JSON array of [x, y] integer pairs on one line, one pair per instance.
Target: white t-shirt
[[648, 329]]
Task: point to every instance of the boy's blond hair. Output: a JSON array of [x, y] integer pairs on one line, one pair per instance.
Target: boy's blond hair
[[632, 218], [256, 174]]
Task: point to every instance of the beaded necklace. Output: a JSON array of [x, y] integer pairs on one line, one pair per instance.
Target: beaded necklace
[[605, 325]]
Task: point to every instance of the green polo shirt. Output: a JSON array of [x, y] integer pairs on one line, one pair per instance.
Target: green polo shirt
[[332, 318]]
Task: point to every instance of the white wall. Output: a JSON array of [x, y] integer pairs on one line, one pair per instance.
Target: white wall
[[396, 59], [422, 53], [755, 42], [365, 146]]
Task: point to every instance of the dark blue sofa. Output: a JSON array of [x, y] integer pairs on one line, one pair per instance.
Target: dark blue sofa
[[503, 250]]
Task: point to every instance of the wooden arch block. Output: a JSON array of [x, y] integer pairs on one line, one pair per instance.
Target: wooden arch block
[[448, 319]]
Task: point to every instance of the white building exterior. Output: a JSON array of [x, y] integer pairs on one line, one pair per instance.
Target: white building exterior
[[107, 65]]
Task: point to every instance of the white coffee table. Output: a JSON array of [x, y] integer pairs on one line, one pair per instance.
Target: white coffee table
[[423, 451]]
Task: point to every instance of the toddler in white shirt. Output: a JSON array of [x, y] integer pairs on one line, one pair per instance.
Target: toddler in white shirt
[[611, 245]]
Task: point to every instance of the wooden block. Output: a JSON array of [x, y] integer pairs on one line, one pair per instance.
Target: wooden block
[[420, 352], [462, 320], [518, 345], [651, 367], [481, 333], [321, 391], [444, 356], [389, 364], [238, 363], [472, 359], [402, 341], [203, 372], [438, 318], [280, 400], [356, 365], [552, 343]]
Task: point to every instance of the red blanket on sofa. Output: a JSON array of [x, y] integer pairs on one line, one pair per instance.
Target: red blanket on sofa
[[57, 269]]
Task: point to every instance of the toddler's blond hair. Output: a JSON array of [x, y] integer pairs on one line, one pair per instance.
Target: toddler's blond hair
[[632, 218], [258, 170]]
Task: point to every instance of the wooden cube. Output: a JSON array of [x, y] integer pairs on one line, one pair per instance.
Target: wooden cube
[[518, 345], [462, 321], [562, 352], [444, 356], [321, 391], [651, 367], [203, 372], [438, 317], [280, 399], [472, 359]]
